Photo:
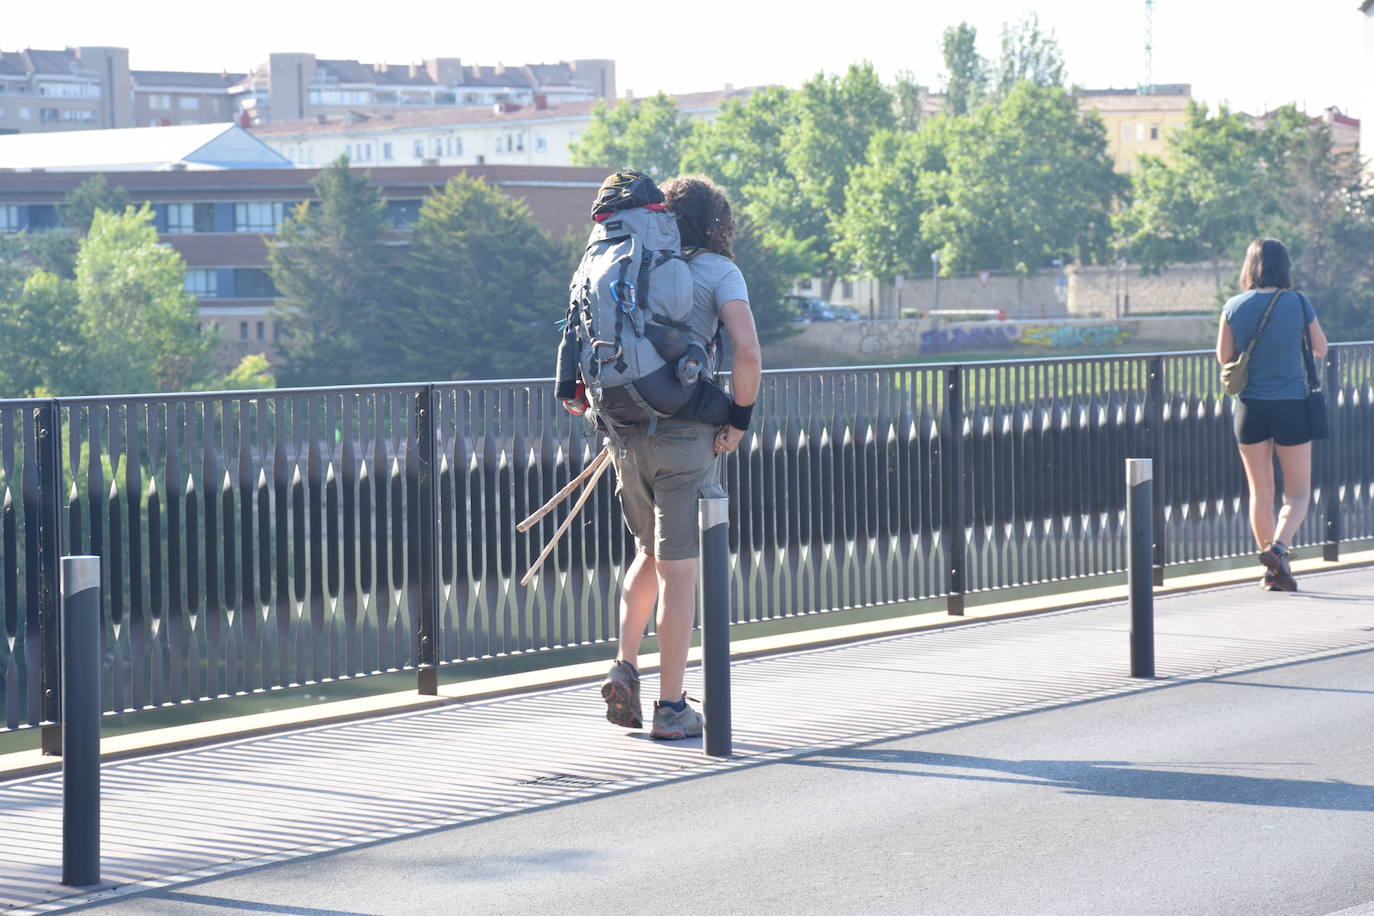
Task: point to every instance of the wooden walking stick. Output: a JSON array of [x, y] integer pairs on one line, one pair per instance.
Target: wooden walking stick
[[577, 507], [603, 456]]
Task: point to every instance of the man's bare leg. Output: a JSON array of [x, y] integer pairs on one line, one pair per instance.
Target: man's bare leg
[[677, 607], [637, 598]]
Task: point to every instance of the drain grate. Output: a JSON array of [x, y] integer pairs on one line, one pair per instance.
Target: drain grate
[[566, 781]]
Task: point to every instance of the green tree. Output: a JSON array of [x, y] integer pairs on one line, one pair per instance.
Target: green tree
[[141, 329], [40, 341], [252, 372], [1324, 210], [1204, 201], [648, 135], [81, 203], [333, 268], [834, 118], [966, 71], [1028, 181], [483, 289], [743, 149], [906, 99], [882, 225], [1029, 55]]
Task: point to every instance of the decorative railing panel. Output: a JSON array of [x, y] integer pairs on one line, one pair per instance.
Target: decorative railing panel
[[259, 540]]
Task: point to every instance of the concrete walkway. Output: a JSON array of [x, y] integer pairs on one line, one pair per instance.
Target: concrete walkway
[[191, 815]]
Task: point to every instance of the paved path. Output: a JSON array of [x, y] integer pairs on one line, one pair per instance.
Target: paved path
[[199, 813]]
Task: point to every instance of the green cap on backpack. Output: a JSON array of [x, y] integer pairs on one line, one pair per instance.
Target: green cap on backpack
[[625, 189]]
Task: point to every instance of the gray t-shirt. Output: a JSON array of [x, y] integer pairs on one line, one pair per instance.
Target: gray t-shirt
[[1276, 370], [715, 281]]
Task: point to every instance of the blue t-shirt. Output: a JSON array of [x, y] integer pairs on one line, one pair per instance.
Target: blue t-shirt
[[1276, 370]]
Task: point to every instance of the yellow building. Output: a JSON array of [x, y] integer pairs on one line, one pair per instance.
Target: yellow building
[[1138, 122]]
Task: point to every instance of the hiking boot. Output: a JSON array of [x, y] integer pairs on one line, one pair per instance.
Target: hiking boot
[[620, 690], [673, 725]]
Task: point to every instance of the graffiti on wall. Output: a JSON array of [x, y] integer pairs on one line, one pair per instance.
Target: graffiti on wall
[[957, 340], [1073, 336]]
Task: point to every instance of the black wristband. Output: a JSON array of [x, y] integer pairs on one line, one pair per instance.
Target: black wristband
[[740, 416]]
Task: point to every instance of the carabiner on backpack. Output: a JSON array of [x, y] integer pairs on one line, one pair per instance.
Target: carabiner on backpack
[[623, 294]]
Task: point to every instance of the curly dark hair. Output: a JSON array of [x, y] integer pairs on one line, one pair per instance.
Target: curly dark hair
[[703, 213]]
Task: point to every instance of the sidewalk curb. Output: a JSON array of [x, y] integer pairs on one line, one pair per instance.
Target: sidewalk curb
[[154, 741]]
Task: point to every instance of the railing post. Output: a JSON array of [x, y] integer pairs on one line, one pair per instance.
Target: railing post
[[952, 489], [1139, 518], [1330, 466], [1155, 419], [81, 721], [47, 454], [426, 497], [714, 517]]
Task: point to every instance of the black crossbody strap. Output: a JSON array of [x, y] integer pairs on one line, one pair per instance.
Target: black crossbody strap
[[1269, 310], [1309, 359]]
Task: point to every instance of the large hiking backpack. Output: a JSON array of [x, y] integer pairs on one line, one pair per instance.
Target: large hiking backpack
[[629, 314]]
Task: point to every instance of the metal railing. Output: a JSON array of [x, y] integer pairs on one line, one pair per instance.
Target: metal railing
[[264, 539]]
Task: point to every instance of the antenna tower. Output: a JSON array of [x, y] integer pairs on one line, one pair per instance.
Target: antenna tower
[[1148, 87]]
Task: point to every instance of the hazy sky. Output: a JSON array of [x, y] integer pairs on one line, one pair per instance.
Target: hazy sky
[[1255, 54]]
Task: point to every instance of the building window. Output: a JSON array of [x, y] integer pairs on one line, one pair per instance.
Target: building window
[[438, 146], [847, 289], [9, 218], [25, 114], [457, 146], [202, 283], [804, 284], [47, 115], [1125, 131], [540, 143], [419, 149], [253, 283], [520, 142], [188, 103], [258, 217], [262, 330], [243, 330], [386, 151], [1154, 131], [1140, 131], [190, 218], [159, 100]]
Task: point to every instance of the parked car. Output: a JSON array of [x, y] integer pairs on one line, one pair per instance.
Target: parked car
[[813, 308]]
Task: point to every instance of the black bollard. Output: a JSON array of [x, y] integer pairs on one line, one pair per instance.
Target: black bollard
[[1140, 557], [80, 721], [714, 516]]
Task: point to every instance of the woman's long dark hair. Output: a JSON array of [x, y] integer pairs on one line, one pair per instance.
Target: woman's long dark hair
[[704, 217], [1266, 265]]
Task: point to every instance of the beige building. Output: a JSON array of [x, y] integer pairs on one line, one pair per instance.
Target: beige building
[[1138, 122]]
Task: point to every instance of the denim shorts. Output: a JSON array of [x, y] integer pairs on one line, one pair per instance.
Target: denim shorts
[[1284, 421], [659, 480]]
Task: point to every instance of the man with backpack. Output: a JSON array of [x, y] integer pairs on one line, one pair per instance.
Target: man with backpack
[[655, 289]]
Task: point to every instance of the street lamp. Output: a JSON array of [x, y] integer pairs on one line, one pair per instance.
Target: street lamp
[[935, 278]]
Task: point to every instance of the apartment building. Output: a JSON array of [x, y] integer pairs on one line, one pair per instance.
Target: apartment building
[[221, 222], [504, 133], [292, 87], [94, 88]]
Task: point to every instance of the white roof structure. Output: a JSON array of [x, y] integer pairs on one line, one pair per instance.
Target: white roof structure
[[190, 147]]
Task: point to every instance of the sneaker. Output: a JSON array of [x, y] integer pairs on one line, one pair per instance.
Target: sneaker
[[1279, 575], [672, 725], [1275, 558], [620, 690]]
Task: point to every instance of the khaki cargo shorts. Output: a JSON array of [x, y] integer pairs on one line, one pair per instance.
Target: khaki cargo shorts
[[659, 480]]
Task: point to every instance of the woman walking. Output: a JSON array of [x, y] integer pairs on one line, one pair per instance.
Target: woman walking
[[1271, 412]]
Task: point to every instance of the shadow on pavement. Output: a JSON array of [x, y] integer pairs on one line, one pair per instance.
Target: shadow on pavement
[[1117, 778]]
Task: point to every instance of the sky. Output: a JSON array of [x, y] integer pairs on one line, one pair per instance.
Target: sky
[[1252, 54]]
